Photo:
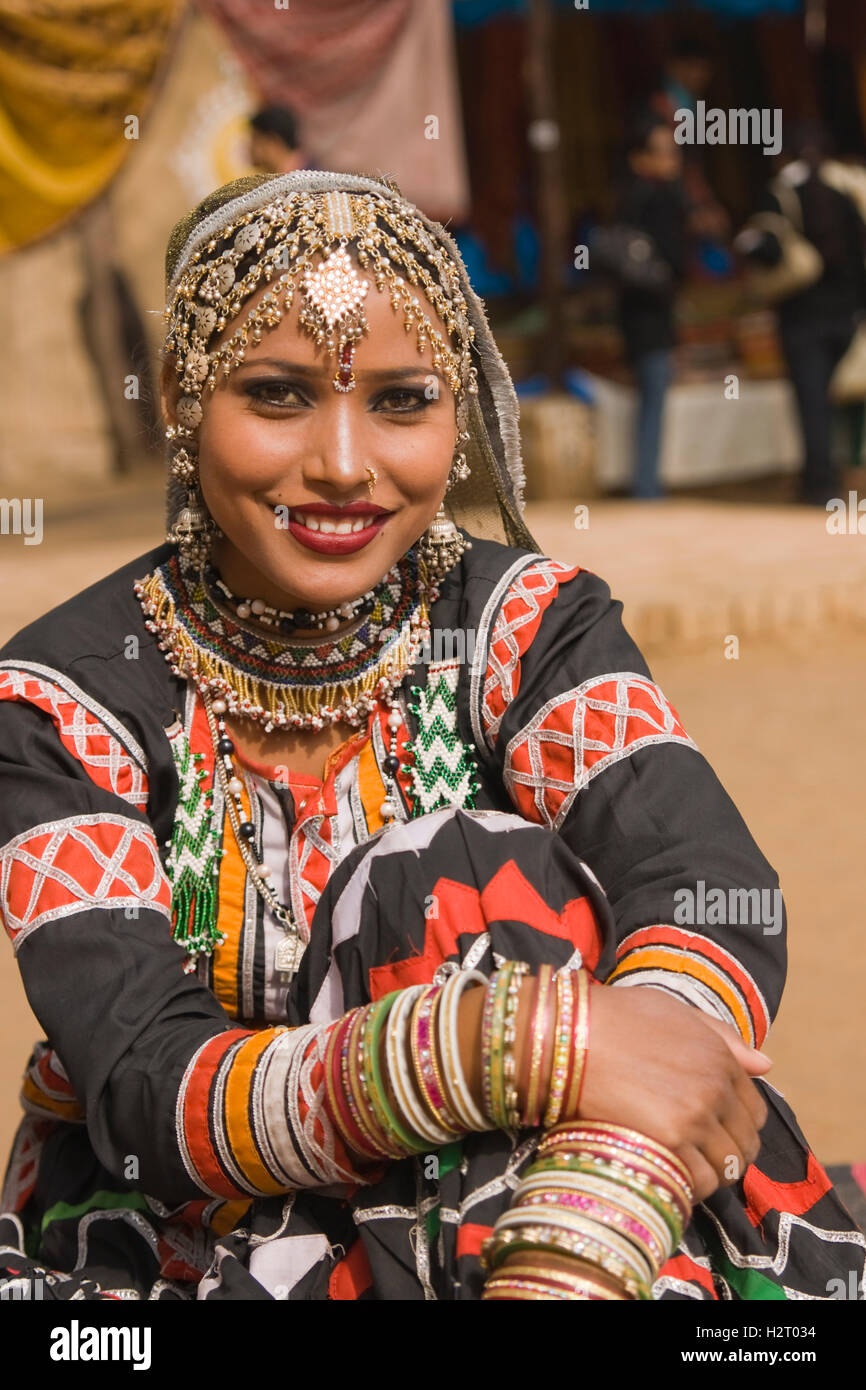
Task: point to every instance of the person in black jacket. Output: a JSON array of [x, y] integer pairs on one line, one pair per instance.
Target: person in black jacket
[[652, 202], [817, 323]]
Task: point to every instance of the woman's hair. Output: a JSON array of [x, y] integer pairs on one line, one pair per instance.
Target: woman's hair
[[226, 249], [277, 120]]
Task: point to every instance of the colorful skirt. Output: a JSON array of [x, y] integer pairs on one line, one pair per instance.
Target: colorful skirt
[[416, 901]]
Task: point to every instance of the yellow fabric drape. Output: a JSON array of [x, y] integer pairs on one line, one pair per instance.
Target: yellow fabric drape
[[71, 74]]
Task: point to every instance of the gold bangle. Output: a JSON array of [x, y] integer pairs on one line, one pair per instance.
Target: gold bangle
[[579, 1047], [561, 1047], [532, 1109]]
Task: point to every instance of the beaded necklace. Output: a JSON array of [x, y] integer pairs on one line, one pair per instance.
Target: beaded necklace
[[277, 681], [203, 644]]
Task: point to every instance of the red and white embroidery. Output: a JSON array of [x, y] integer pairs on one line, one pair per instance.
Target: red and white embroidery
[[90, 733], [77, 864], [517, 621], [578, 734]]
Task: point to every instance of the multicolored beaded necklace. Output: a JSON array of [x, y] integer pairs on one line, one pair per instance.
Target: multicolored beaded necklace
[[279, 682], [240, 671]]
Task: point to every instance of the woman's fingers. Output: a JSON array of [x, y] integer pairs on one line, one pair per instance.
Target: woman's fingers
[[723, 1153], [704, 1178], [753, 1100], [736, 1119], [755, 1062]]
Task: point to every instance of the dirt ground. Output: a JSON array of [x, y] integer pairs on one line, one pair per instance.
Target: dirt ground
[[784, 725]]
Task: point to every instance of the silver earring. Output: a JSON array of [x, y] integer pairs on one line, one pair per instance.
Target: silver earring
[[460, 469], [441, 546], [193, 529]]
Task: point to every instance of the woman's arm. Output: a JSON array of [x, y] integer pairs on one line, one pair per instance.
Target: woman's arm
[[587, 745], [177, 1101]]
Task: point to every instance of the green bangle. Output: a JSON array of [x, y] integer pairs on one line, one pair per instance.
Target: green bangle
[[373, 1073]]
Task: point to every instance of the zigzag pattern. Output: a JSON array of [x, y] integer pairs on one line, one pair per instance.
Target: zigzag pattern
[[193, 862], [443, 773]]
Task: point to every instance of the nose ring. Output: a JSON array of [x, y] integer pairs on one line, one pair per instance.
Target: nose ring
[[372, 480]]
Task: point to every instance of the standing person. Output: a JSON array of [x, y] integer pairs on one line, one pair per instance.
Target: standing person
[[687, 75], [652, 203], [817, 320]]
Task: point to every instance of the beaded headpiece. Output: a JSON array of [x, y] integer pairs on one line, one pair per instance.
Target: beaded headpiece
[[295, 233]]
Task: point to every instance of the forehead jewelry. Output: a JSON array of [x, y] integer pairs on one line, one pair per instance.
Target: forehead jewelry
[[333, 294], [297, 246]]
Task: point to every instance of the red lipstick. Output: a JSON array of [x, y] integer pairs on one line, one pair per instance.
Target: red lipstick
[[328, 541]]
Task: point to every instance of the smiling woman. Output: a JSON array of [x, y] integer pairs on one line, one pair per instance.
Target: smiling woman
[[335, 1003]]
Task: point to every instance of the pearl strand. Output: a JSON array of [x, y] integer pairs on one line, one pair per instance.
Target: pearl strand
[[328, 620]]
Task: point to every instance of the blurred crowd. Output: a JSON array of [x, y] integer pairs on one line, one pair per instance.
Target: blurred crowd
[[803, 251]]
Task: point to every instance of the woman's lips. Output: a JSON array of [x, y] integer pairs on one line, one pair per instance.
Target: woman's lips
[[330, 534]]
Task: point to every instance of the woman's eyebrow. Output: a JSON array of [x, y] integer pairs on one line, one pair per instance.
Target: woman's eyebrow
[[370, 374]]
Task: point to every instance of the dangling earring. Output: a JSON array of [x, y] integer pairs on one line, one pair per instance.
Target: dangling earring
[[193, 529], [460, 469], [441, 546]]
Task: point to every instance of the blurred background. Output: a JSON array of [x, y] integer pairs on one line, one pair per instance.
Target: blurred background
[[678, 294]]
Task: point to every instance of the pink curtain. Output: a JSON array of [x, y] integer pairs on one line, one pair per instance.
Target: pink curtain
[[373, 83]]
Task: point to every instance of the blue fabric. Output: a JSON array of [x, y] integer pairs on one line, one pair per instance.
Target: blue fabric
[[653, 371]]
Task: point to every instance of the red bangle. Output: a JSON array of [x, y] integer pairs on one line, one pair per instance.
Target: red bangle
[[335, 1101]]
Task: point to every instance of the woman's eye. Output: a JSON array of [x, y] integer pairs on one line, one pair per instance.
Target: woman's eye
[[401, 401], [279, 393]]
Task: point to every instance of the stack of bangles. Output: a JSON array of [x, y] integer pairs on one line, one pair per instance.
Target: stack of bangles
[[394, 1082], [611, 1201]]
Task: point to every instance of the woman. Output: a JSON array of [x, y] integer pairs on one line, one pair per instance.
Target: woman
[[300, 732]]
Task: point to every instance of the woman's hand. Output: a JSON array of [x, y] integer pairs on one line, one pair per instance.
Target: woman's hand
[[679, 1076]]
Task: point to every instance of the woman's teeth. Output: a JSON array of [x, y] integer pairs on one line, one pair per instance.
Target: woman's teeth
[[336, 528]]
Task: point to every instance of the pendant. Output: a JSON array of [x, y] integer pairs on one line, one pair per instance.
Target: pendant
[[287, 956]]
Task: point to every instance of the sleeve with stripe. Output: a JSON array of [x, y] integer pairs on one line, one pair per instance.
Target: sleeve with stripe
[[587, 744], [144, 1048]]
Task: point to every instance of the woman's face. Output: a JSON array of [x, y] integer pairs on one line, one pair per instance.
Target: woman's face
[[284, 459]]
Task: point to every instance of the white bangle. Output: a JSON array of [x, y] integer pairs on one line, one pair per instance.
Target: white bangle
[[464, 1106], [400, 1071]]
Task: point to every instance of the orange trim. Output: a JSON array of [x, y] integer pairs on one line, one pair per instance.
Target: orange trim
[[228, 1215], [196, 1113], [68, 1109], [371, 788], [665, 934], [697, 968], [236, 1109], [352, 1275]]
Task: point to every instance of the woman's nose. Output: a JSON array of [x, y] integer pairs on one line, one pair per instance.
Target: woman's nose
[[337, 456]]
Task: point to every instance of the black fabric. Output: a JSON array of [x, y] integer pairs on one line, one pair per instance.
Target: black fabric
[[125, 1019]]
